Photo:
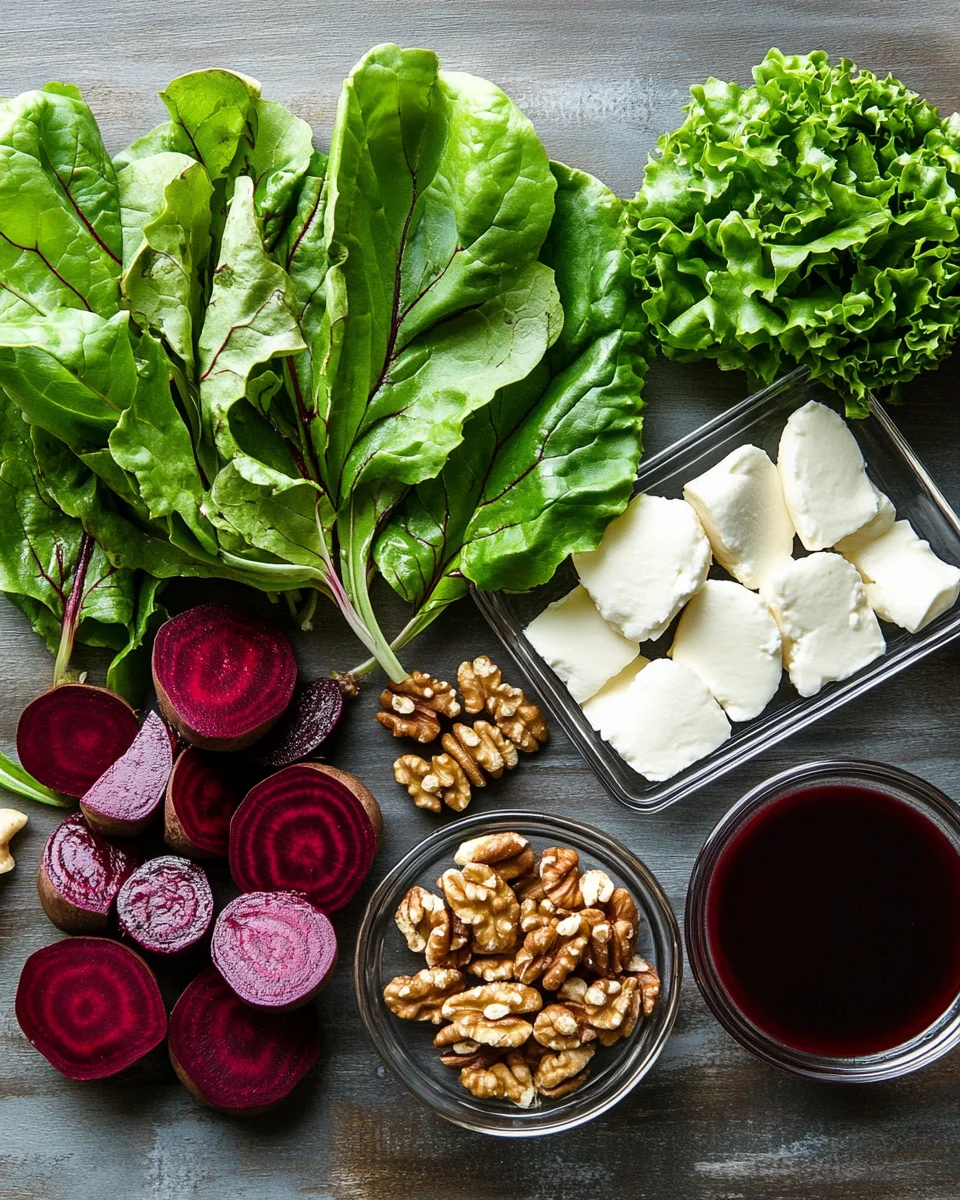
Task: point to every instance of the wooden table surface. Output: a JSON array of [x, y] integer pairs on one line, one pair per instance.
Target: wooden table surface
[[600, 79]]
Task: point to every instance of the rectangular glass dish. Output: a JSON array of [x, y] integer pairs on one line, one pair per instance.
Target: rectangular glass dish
[[893, 467]]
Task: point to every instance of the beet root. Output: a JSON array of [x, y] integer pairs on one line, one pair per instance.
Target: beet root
[[90, 1006], [274, 949], [235, 1058], [80, 876], [310, 829], [202, 795], [70, 735], [223, 678], [314, 713], [166, 905], [127, 795]]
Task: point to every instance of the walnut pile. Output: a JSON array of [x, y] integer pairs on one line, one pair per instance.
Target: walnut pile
[[471, 754], [531, 966]]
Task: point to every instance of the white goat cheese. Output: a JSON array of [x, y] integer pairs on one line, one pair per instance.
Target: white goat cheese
[[886, 515], [579, 644], [727, 635], [741, 508], [825, 484], [652, 559], [906, 582], [828, 628], [667, 721], [603, 708]]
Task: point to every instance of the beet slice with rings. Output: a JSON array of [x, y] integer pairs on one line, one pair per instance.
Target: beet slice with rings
[[202, 795], [71, 734], [128, 794], [80, 876], [223, 678], [314, 712], [235, 1058], [310, 829], [90, 1006], [274, 949], [166, 905]]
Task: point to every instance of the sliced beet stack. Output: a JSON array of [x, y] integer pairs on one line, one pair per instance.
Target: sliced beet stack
[[70, 735], [314, 713], [202, 795], [310, 829], [223, 678], [128, 794], [274, 949], [235, 1058], [166, 905], [90, 1006], [80, 876]]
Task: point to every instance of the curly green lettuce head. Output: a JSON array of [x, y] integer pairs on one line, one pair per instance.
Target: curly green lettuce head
[[813, 217]]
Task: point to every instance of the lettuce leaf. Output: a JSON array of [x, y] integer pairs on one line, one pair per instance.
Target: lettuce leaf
[[811, 217]]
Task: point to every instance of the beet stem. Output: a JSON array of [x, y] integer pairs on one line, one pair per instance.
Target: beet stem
[[71, 610]]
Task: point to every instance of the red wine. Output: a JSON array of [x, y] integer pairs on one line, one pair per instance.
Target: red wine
[[833, 919]]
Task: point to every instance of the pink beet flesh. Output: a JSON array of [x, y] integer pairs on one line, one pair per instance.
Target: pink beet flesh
[[128, 793], [90, 1006], [223, 678], [81, 874], [274, 949], [313, 715], [237, 1058], [303, 830], [166, 905], [70, 735], [203, 793]]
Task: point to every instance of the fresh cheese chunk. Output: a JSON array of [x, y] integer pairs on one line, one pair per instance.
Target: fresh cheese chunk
[[668, 720], [579, 644], [906, 582], [741, 508], [828, 628], [728, 637], [824, 480], [652, 559], [603, 709], [886, 515]]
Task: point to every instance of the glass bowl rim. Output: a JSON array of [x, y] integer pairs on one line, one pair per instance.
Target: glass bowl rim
[[927, 1046], [653, 899]]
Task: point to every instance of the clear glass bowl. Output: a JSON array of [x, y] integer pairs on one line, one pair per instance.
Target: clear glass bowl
[[760, 419], [406, 1046], [936, 1040]]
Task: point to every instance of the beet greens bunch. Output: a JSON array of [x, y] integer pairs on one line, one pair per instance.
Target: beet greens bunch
[[225, 353]]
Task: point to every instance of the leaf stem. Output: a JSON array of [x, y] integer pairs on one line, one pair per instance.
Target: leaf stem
[[416, 625], [71, 610], [15, 779]]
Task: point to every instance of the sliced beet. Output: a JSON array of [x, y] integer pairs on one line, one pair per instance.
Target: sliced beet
[[313, 715], [67, 737], [310, 829], [166, 905], [274, 949], [80, 876], [128, 794], [235, 1058], [223, 678], [202, 795], [90, 1006]]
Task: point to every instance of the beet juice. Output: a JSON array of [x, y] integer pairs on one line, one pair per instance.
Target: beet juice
[[833, 920]]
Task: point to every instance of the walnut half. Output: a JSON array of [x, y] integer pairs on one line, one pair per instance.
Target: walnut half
[[421, 997], [483, 900], [493, 1014], [506, 1080]]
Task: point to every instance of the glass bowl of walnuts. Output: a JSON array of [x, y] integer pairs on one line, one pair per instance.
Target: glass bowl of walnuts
[[519, 973]]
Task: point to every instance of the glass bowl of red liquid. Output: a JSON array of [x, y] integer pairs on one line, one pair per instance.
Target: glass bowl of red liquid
[[823, 921]]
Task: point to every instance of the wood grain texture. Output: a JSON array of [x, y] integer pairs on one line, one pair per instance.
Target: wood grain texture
[[600, 78]]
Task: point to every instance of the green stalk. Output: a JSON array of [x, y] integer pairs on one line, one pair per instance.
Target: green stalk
[[71, 611], [415, 626], [15, 779]]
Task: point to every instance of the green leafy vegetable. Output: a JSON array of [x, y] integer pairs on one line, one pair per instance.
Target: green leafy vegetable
[[274, 361], [543, 469], [812, 216]]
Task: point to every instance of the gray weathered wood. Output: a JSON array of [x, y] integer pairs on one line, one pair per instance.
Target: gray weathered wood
[[600, 78]]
